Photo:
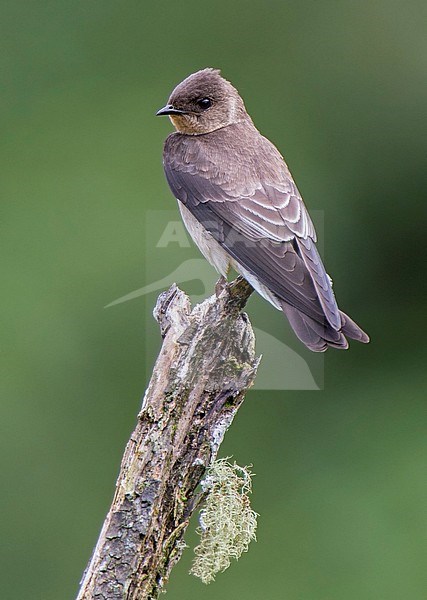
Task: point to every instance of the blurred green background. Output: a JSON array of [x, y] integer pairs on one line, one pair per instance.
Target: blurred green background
[[341, 473]]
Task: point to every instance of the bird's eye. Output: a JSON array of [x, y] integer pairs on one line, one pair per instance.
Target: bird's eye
[[204, 103]]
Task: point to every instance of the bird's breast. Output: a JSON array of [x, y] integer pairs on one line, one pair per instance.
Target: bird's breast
[[208, 246]]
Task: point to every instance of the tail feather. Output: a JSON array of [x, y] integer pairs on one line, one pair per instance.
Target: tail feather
[[319, 337], [352, 330], [315, 336]]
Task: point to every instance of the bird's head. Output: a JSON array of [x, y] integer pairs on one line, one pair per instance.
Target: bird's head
[[204, 102]]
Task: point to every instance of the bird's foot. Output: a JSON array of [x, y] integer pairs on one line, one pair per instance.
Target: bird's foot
[[220, 285]]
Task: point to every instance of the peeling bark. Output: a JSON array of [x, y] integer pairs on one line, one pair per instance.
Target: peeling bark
[[206, 364]]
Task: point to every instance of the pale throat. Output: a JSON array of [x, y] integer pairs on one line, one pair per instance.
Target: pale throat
[[190, 125], [184, 125]]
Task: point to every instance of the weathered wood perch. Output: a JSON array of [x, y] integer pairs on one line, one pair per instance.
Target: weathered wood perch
[[206, 364]]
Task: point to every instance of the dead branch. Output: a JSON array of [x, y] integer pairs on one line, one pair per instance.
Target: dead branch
[[206, 364]]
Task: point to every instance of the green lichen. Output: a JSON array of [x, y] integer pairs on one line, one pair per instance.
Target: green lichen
[[227, 522]]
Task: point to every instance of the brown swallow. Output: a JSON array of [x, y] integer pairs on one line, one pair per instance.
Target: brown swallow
[[242, 208]]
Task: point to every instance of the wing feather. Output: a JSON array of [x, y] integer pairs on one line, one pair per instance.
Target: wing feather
[[257, 215]]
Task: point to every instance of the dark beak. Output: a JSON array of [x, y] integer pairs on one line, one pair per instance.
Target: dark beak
[[170, 110]]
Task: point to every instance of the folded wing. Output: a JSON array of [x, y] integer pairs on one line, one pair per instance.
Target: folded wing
[[260, 221]]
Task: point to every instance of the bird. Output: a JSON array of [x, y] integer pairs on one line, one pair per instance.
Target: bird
[[241, 206]]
